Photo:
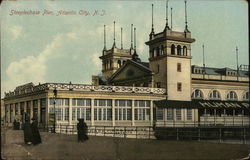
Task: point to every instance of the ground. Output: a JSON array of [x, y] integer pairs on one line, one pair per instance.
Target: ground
[[58, 146]]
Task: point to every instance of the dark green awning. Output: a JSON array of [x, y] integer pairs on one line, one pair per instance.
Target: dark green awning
[[201, 104]]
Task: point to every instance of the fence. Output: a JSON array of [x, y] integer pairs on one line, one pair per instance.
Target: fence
[[200, 133], [139, 132]]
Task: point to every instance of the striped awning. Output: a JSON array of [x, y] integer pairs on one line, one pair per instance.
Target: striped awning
[[202, 104]]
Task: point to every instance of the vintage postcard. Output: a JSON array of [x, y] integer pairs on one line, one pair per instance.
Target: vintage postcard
[[125, 79]]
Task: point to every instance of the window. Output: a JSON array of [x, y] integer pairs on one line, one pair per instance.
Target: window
[[189, 114], [162, 50], [214, 95], [119, 63], [179, 87], [178, 67], [178, 114], [158, 68], [73, 114], [158, 51], [152, 53], [246, 96], [232, 95], [66, 114], [179, 50], [16, 109], [159, 114], [81, 105], [172, 49], [123, 110], [158, 84], [170, 114], [184, 51], [142, 110], [197, 94], [103, 110]]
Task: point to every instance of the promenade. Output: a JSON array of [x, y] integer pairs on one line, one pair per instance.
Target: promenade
[[65, 147]]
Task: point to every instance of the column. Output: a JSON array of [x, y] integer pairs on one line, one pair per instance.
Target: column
[[92, 112], [113, 112], [47, 111], [13, 112], [8, 112], [70, 111], [25, 106], [31, 109], [39, 110], [151, 113], [19, 110], [133, 112]]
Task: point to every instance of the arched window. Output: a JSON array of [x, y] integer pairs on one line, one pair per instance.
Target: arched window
[[197, 94], [246, 96], [232, 95], [179, 50], [214, 95], [119, 63], [162, 50], [123, 62], [110, 64], [152, 53], [184, 51], [172, 49], [158, 51]]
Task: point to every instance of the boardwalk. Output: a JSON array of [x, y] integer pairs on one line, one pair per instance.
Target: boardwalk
[[57, 146]]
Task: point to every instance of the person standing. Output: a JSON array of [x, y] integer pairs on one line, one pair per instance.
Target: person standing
[[85, 131], [28, 136], [80, 130], [35, 132]]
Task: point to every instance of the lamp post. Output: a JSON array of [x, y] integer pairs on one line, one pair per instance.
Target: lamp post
[[55, 95]]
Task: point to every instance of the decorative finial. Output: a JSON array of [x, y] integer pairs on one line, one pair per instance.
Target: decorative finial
[[104, 48], [152, 18], [167, 27], [171, 18], [203, 53], [186, 26], [131, 36], [237, 63], [151, 35], [121, 39], [237, 57], [135, 39], [114, 36]]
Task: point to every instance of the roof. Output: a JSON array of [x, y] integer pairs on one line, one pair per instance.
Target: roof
[[219, 71], [143, 65]]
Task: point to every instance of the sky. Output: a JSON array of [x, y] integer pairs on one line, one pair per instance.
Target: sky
[[63, 48]]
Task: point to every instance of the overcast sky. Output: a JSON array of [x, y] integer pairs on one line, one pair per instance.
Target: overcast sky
[[51, 48]]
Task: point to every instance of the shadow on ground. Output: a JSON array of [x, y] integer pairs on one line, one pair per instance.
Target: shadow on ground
[[57, 146]]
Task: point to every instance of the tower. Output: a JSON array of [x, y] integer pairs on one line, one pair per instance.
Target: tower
[[170, 60], [114, 58]]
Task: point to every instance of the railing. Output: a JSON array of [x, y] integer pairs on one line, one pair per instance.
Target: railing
[[139, 132], [207, 121], [201, 133], [83, 87]]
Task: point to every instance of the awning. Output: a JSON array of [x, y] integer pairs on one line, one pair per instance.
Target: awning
[[202, 104]]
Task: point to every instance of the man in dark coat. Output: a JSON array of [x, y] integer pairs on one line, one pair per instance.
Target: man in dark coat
[[28, 136], [85, 131], [35, 132], [81, 130]]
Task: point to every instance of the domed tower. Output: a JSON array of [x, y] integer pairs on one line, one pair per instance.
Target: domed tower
[[170, 60]]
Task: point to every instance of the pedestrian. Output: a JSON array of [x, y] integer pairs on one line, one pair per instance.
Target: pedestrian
[[81, 130], [35, 132], [85, 131], [28, 136]]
